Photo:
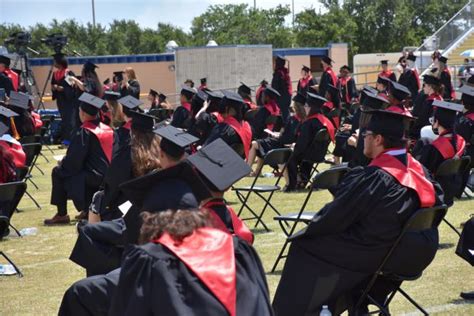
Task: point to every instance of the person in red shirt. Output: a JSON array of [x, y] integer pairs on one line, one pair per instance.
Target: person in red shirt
[[7, 164], [387, 73]]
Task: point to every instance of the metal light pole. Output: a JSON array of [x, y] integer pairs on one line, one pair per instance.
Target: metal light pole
[[93, 13], [293, 11], [255, 4]]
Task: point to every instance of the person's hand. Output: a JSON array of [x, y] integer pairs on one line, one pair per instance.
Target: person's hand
[[59, 88], [124, 84], [352, 141], [54, 87], [346, 127]]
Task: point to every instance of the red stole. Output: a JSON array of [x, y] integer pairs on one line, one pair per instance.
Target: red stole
[[128, 125], [251, 105], [243, 130], [446, 149], [331, 74], [258, 94], [13, 77], [385, 74], [36, 120], [343, 83], [187, 106], [399, 108], [326, 123], [304, 81], [60, 74], [284, 73], [104, 134], [218, 116], [434, 96], [240, 229], [453, 93], [209, 254], [417, 77], [274, 110], [470, 116], [19, 156], [411, 176], [202, 87]]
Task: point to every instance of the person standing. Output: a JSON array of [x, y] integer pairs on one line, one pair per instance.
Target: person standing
[[409, 77], [64, 95], [306, 81], [5, 81], [445, 78], [387, 73], [281, 82], [328, 76], [130, 86]]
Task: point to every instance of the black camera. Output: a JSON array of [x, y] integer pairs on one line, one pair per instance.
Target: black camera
[[18, 39], [56, 41]]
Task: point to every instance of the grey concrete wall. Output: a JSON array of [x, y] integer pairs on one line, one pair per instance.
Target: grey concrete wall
[[224, 66]]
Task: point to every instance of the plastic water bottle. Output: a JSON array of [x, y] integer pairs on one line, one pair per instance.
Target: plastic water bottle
[[268, 175], [30, 231], [325, 311]]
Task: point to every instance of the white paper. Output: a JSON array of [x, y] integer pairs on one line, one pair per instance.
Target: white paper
[[68, 80], [471, 252], [58, 157], [125, 207]]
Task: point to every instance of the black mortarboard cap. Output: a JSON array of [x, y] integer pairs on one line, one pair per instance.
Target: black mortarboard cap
[[384, 80], [201, 95], [263, 82], [346, 68], [399, 91], [443, 59], [446, 112], [3, 129], [106, 81], [449, 106], [58, 57], [374, 101], [281, 57], [327, 60], [306, 68], [384, 62], [90, 103], [244, 88], [130, 102], [272, 92], [431, 80], [370, 89], [173, 140], [467, 96], [89, 66], [118, 73], [162, 96], [299, 98], [215, 95], [19, 100], [142, 122], [411, 57], [5, 60], [203, 80], [315, 100], [219, 165], [388, 123], [232, 99], [188, 92], [153, 92], [6, 112], [111, 95]]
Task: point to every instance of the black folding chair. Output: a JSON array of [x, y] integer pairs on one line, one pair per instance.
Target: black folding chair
[[10, 196], [421, 220], [324, 180], [273, 158], [30, 139], [22, 174], [450, 168], [318, 150], [32, 152]]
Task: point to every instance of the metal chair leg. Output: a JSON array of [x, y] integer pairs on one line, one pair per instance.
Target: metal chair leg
[[16, 230], [33, 199], [44, 157], [20, 275], [421, 309], [39, 169], [281, 255], [452, 227]]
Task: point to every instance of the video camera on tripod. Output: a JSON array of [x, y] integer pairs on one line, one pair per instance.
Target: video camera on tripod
[[57, 41], [18, 39]]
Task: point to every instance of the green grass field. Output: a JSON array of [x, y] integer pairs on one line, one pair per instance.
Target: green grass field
[[48, 272]]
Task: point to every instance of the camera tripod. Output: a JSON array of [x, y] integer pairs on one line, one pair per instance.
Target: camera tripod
[[27, 77]]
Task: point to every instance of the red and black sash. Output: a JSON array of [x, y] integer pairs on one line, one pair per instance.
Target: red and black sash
[[417, 77], [13, 77], [434, 96], [36, 120], [385, 74], [274, 110], [240, 229], [218, 116], [331, 74], [342, 81], [209, 254], [285, 74], [304, 81], [399, 108], [251, 105], [60, 74], [243, 130], [411, 176], [128, 125], [187, 106], [470, 116], [326, 123], [445, 147], [105, 135], [19, 156]]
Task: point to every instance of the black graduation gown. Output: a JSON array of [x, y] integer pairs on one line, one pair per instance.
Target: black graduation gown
[[24, 122], [203, 126], [6, 83], [258, 123], [181, 117], [466, 242], [347, 240], [133, 89], [304, 90], [445, 79], [287, 136], [227, 133], [325, 80], [465, 128], [121, 138], [422, 111], [153, 281], [349, 89], [409, 80], [279, 84], [67, 104], [81, 171]]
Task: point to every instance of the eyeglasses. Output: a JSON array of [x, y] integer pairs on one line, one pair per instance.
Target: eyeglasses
[[365, 134]]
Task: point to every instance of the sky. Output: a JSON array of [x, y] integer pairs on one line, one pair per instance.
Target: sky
[[147, 13]]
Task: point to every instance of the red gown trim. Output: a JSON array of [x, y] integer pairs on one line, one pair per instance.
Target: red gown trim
[[252, 106], [445, 148], [240, 229], [218, 116], [326, 123], [128, 125], [243, 130], [385, 74], [304, 81], [187, 106], [13, 77], [209, 254], [105, 135], [342, 81], [274, 110], [470, 116], [332, 75], [434, 96], [19, 156], [453, 93], [411, 176], [36, 119]]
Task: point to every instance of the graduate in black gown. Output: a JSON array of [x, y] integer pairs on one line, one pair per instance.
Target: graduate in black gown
[[208, 272], [328, 77], [347, 86], [303, 150], [387, 73], [182, 114], [80, 173], [208, 117], [423, 110], [281, 82], [286, 137], [24, 123], [246, 93], [446, 146], [306, 81], [197, 103], [270, 107], [348, 238], [131, 85], [153, 98], [5, 82], [234, 131], [129, 106], [445, 78], [464, 250], [232, 165], [410, 78]]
